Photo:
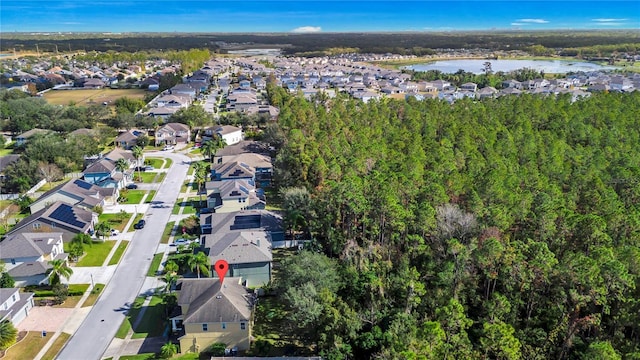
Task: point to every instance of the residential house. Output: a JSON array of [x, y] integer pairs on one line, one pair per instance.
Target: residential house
[[232, 171], [243, 239], [213, 312], [93, 83], [25, 136], [472, 87], [487, 92], [59, 217], [178, 101], [261, 163], [77, 192], [185, 89], [162, 112], [26, 256], [104, 174], [6, 161], [128, 139], [172, 133], [232, 196], [15, 305], [512, 84], [230, 134]]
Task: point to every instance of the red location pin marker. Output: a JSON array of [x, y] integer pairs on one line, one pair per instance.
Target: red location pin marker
[[221, 267]]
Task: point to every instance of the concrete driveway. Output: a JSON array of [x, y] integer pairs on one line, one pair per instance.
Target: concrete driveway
[[45, 318]]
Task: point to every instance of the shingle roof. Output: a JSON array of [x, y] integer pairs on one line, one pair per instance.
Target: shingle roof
[[100, 166], [234, 170], [28, 244], [208, 301], [242, 247], [7, 159], [84, 192], [70, 217], [27, 269], [245, 146]]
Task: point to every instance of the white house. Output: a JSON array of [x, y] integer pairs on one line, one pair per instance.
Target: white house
[[15, 305]]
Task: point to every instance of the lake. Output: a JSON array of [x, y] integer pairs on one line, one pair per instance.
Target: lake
[[476, 66]]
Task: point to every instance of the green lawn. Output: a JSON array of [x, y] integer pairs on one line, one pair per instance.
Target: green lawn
[[28, 348], [117, 220], [146, 177], [115, 259], [155, 162], [5, 152], [160, 177], [189, 207], [96, 253], [167, 232], [152, 323], [56, 347], [93, 297], [149, 199], [138, 218], [155, 264], [132, 196], [167, 163], [149, 356]]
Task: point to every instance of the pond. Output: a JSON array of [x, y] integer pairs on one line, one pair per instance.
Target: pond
[[477, 66]]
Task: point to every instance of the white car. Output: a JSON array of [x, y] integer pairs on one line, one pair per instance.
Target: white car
[[181, 242], [168, 147], [114, 232]]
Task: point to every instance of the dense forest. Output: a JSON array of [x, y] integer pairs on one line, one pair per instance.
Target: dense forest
[[499, 229], [584, 43]]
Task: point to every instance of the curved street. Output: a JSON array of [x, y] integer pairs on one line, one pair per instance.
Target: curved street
[[97, 330]]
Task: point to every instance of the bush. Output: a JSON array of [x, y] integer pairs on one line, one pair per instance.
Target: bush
[[217, 349], [168, 350], [8, 334]]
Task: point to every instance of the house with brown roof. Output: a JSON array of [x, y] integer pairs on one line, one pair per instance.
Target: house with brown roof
[[172, 133], [26, 256], [128, 139], [211, 312]]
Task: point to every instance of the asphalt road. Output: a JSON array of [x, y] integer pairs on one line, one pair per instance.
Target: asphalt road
[[99, 327]]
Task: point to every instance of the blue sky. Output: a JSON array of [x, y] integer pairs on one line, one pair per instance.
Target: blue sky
[[313, 16]]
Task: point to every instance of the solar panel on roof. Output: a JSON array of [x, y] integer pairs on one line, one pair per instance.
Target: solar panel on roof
[[65, 214], [246, 222], [82, 184]]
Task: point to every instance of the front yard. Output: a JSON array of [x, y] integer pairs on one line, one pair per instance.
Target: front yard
[[131, 196], [96, 253], [152, 323], [118, 220]]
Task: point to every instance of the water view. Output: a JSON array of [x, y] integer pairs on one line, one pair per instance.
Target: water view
[[477, 66]]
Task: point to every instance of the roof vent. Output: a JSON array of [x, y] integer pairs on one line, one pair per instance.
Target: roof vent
[[218, 296]]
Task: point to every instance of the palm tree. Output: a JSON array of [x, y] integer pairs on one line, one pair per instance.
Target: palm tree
[[137, 154], [200, 263], [200, 176], [8, 334], [59, 269], [103, 229], [208, 148], [122, 165]]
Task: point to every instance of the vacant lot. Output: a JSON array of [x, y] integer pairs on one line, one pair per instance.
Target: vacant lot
[[89, 97]]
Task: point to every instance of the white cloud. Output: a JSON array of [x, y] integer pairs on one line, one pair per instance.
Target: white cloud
[[518, 24], [307, 29], [608, 20], [533, 21], [609, 23]]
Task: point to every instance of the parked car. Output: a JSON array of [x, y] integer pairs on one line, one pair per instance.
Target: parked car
[[181, 242], [148, 168], [140, 224], [132, 186], [114, 232], [167, 147]]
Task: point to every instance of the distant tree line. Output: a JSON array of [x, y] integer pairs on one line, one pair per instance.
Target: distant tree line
[[399, 43]]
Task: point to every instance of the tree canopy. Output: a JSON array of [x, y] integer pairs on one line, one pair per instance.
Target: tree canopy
[[505, 228]]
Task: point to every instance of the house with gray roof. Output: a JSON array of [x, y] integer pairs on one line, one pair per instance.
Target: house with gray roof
[[213, 312], [244, 240], [172, 133], [15, 305], [232, 196], [25, 136], [77, 192], [26, 256], [59, 217]]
